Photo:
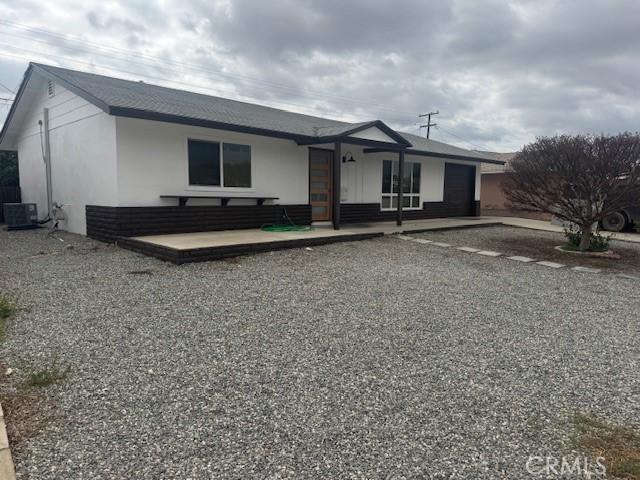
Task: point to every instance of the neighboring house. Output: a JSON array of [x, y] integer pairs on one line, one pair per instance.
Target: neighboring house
[[493, 200], [114, 144]]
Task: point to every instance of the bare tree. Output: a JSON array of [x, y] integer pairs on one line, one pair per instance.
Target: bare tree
[[580, 179]]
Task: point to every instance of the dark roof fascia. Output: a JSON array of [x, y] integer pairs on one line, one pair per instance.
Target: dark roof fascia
[[424, 153], [374, 144], [73, 88], [195, 122], [16, 100]]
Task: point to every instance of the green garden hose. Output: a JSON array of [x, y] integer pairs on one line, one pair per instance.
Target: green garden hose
[[286, 228]]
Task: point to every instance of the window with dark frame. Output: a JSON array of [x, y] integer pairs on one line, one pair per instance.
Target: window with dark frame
[[204, 163], [236, 165], [214, 164], [391, 182]]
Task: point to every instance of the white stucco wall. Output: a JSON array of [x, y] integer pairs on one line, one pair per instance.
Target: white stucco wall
[[83, 154], [152, 161], [362, 179]]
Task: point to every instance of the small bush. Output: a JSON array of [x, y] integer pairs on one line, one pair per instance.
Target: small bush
[[573, 237], [47, 376], [6, 308], [598, 241]]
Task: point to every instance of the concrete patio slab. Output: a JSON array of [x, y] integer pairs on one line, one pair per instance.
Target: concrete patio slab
[[203, 246]]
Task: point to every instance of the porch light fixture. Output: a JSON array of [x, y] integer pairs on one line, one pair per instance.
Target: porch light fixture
[[348, 157]]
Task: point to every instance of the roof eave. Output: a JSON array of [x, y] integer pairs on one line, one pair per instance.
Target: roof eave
[[196, 122], [470, 158], [426, 153]]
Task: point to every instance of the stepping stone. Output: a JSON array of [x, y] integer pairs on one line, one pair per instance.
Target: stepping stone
[[469, 249], [586, 269], [489, 253], [550, 264], [440, 244], [517, 258], [404, 237], [422, 240]]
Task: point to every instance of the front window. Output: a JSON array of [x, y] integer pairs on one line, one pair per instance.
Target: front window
[[410, 185], [214, 164]]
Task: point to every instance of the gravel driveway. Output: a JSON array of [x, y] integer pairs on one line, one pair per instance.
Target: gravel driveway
[[375, 359]]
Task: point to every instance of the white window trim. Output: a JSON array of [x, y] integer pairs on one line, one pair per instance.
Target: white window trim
[[412, 195], [213, 188]]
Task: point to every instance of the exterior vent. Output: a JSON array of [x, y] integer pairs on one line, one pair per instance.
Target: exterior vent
[[51, 88], [19, 216]]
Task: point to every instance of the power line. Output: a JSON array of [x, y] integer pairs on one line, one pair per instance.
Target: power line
[[460, 138], [162, 63], [7, 88]]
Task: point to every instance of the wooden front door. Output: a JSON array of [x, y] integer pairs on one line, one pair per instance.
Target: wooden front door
[[320, 184]]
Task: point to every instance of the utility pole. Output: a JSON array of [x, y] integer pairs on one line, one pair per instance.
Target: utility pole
[[428, 125]]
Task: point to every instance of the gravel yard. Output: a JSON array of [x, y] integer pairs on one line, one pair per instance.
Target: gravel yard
[[539, 245], [375, 359]]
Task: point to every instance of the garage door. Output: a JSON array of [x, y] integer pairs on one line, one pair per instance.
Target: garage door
[[459, 189]]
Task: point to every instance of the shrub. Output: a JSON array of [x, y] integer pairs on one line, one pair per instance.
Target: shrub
[[47, 376], [6, 308], [597, 243]]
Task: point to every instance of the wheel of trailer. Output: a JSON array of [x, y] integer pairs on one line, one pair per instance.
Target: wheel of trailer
[[614, 222]]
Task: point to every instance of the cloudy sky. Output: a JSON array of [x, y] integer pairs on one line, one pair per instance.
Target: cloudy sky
[[500, 72]]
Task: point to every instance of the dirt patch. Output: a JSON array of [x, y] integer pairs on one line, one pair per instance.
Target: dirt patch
[[618, 445], [26, 410], [541, 246]]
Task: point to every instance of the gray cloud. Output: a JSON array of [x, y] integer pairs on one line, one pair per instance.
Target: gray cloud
[[500, 72]]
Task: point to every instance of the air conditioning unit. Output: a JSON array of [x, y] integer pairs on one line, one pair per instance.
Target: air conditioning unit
[[19, 216]]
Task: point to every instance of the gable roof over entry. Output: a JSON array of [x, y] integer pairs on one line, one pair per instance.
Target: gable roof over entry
[[131, 99]]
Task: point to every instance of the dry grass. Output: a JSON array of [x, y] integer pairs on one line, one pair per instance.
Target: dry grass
[[26, 410], [7, 309], [47, 376], [619, 446], [26, 413]]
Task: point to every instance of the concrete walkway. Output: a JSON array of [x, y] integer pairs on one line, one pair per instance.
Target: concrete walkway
[[551, 227]]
